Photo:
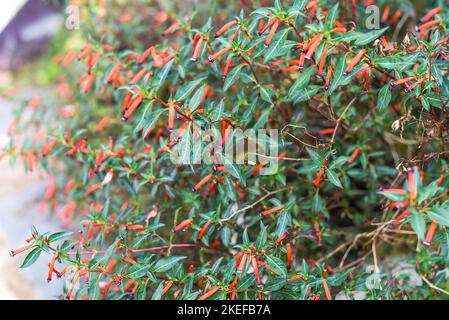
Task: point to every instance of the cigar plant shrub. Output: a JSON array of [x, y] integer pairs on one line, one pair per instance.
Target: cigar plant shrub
[[361, 181]]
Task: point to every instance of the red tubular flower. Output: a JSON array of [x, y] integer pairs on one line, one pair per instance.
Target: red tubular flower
[[202, 182], [430, 233], [171, 116], [272, 210], [183, 225], [268, 25], [328, 78], [401, 217], [354, 61], [323, 60], [326, 290], [289, 255], [428, 25], [88, 83], [256, 270], [226, 27], [429, 15], [272, 32], [402, 81], [301, 61], [257, 168], [226, 68], [395, 17], [133, 106], [411, 183], [138, 76], [170, 29], [51, 267], [313, 46], [219, 53], [203, 230], [13, 253], [48, 147], [197, 50], [242, 263], [354, 155], [209, 293], [385, 13]]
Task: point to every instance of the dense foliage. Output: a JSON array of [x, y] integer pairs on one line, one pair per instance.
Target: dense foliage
[[362, 177]]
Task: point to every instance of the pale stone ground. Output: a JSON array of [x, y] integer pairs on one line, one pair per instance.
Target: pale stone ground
[[19, 199]]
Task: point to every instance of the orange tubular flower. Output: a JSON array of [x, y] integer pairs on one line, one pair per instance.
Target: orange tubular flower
[[197, 50], [354, 155], [13, 253], [429, 15], [272, 210], [354, 61], [256, 270], [385, 13], [171, 116], [133, 106], [401, 217], [411, 183], [430, 233], [323, 60], [218, 54], [170, 29], [395, 17], [268, 25], [313, 46], [428, 25], [51, 267], [226, 27], [402, 81], [103, 122], [138, 76], [209, 293], [242, 263], [272, 32], [226, 68], [328, 78], [326, 290], [203, 230], [88, 83], [183, 225], [289, 255], [202, 182]]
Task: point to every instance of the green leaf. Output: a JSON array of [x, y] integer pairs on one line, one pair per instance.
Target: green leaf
[[339, 76], [439, 215], [368, 37], [231, 167], [332, 16], [58, 235], [418, 224], [187, 89], [166, 264], [31, 257], [333, 177], [196, 99], [162, 74], [232, 77], [277, 265], [153, 119], [138, 271], [300, 82], [383, 97], [275, 45]]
